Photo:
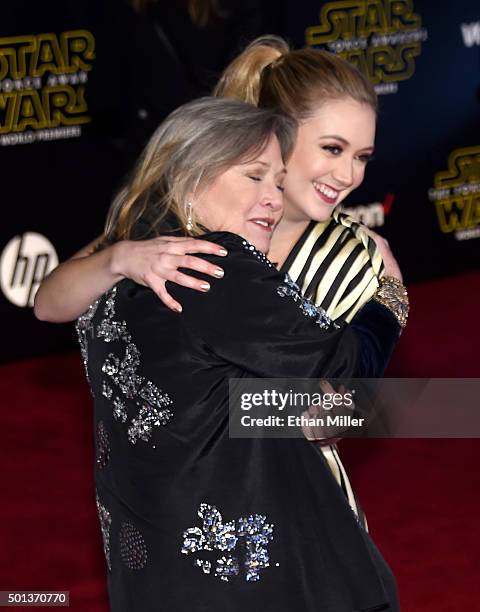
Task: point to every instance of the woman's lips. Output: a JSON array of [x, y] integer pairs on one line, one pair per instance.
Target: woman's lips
[[320, 190], [265, 224]]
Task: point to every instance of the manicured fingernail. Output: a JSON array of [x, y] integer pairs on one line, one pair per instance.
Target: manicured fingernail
[[218, 273], [178, 308], [223, 252], [204, 286]]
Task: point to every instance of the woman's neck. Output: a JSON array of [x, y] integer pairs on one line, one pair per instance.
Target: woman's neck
[[284, 238]]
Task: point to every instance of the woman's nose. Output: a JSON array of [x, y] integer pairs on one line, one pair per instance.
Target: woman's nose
[[273, 197], [274, 203], [343, 171]]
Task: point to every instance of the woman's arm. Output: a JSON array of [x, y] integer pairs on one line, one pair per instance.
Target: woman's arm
[[257, 320], [73, 285], [68, 290]]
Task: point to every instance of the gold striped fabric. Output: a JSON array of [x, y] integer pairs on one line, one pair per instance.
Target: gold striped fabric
[[337, 265]]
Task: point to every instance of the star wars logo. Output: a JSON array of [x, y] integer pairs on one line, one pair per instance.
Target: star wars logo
[[381, 37], [456, 194], [42, 85]]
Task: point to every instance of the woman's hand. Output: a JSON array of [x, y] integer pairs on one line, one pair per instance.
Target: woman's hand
[[68, 291], [391, 265], [325, 435], [153, 262]]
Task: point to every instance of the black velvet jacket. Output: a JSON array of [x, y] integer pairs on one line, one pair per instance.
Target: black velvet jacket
[[194, 520]]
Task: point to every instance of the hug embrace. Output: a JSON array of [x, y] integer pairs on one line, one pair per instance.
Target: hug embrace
[[281, 285]]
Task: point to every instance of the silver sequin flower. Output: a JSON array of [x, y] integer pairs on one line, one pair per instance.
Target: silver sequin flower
[[102, 445], [257, 533], [153, 395], [290, 289], [227, 567], [218, 536], [193, 540], [133, 549], [142, 425], [215, 534], [105, 523], [122, 373]]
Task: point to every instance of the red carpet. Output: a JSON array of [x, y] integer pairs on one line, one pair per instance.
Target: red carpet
[[421, 496]]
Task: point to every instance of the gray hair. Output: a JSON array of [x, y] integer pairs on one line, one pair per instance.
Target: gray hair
[[193, 145]]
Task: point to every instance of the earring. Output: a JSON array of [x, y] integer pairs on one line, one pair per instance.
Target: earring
[[189, 216]]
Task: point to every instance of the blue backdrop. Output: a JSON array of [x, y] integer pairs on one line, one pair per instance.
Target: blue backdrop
[[83, 84]]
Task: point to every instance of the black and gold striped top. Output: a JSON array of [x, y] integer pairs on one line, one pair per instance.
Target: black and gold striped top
[[336, 264]]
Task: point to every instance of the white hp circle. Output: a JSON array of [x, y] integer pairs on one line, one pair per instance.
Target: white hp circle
[[24, 263]]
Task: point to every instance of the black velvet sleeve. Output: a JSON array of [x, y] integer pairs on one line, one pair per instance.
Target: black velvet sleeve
[[256, 319], [378, 331]]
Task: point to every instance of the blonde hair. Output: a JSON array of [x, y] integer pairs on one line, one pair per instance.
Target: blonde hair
[[271, 75], [190, 148]]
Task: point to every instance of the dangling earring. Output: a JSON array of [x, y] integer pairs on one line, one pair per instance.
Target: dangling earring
[[189, 217]]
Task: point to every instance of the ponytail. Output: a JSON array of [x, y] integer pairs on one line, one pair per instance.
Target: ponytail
[[243, 76], [270, 75]]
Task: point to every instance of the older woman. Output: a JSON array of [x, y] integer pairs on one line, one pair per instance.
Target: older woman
[[191, 519]]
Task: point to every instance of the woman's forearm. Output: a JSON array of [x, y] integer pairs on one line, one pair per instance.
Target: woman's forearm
[[69, 289], [378, 332]]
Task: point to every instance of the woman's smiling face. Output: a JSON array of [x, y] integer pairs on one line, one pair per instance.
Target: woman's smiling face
[[332, 149]]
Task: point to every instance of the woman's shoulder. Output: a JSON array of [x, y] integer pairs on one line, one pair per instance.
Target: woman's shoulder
[[336, 264], [248, 274], [243, 249], [335, 233], [339, 220], [354, 227]]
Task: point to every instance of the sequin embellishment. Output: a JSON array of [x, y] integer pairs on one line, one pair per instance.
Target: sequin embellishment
[[253, 532], [102, 446], [290, 289], [248, 246], [122, 372], [84, 328], [119, 410], [133, 549], [105, 523], [106, 390]]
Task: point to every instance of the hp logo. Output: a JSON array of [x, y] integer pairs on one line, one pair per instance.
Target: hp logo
[[24, 263]]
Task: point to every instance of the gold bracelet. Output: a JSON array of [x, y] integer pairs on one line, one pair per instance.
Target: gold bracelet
[[393, 295]]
